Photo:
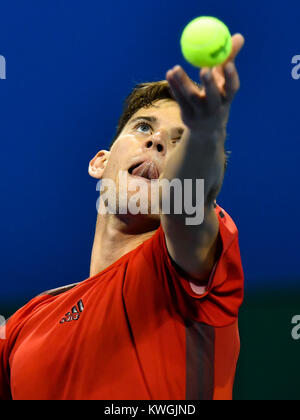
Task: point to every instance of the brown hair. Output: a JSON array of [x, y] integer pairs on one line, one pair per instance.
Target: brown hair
[[144, 95]]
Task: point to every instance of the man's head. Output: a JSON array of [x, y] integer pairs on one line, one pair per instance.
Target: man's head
[[142, 145]]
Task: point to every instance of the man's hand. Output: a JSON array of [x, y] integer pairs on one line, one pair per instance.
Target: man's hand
[[207, 109]]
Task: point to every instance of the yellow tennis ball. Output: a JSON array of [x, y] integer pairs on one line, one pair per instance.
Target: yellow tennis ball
[[206, 42]]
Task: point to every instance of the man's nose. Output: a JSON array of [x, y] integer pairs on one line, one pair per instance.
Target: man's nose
[[157, 142]]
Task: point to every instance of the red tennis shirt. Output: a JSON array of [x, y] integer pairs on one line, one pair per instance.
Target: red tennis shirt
[[135, 331]]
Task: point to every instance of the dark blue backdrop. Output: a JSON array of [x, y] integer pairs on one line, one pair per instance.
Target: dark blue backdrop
[[70, 65]]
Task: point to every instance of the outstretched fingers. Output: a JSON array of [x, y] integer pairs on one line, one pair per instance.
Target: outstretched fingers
[[212, 93], [179, 90], [232, 81]]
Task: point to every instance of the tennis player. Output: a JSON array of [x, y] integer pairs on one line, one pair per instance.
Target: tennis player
[[158, 317]]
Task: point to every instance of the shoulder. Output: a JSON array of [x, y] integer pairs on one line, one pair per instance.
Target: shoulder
[[227, 227], [34, 305], [58, 290]]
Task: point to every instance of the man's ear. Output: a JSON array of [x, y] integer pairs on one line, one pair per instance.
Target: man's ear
[[98, 164]]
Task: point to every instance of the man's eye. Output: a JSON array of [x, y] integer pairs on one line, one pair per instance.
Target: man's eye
[[141, 125]]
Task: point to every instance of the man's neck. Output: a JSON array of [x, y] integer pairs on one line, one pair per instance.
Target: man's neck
[[115, 237]]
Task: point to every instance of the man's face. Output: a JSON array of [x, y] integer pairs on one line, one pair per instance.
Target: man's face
[[142, 148]]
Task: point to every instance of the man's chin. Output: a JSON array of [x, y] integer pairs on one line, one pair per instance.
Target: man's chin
[[139, 202], [133, 209], [140, 222]]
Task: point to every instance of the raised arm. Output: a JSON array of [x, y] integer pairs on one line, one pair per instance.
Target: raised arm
[[200, 155]]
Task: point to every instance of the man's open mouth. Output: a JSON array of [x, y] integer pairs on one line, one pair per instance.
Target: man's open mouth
[[146, 169]]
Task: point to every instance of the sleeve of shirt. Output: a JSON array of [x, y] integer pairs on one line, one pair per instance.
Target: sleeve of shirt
[[9, 332], [219, 302]]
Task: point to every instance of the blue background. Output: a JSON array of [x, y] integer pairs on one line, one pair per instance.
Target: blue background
[[70, 65]]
